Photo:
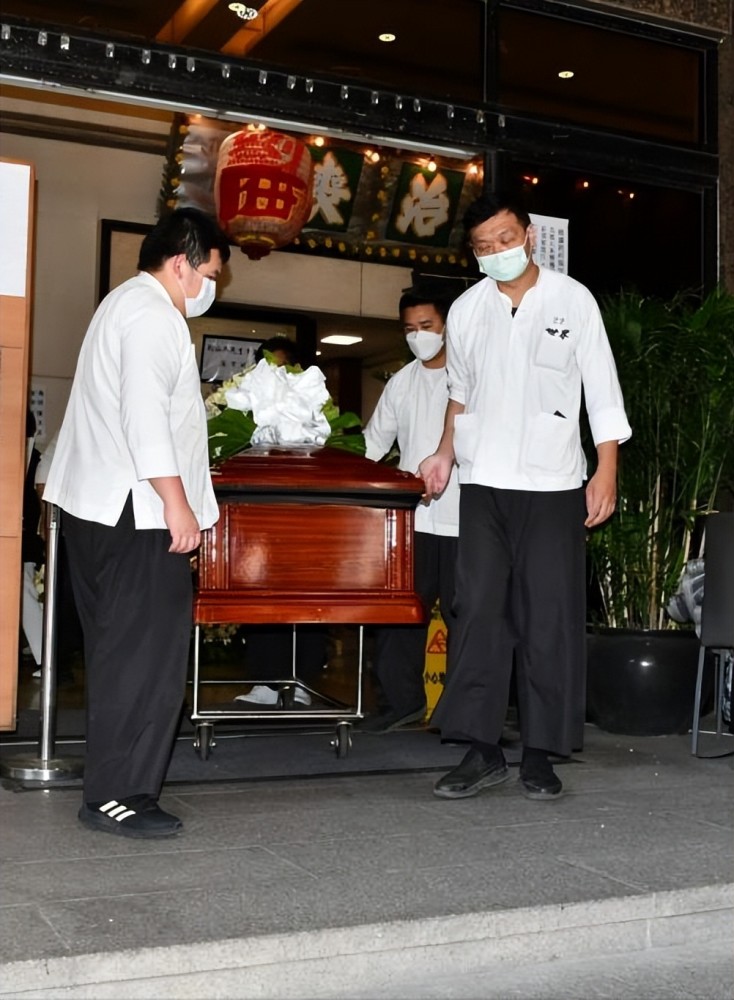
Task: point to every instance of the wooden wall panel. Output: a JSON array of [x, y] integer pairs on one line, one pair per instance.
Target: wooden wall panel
[[17, 192]]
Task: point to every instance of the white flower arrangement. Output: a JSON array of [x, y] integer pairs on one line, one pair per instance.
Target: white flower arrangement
[[270, 404]]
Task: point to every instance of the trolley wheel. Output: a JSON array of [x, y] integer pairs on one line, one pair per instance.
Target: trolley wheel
[[343, 739], [204, 739]]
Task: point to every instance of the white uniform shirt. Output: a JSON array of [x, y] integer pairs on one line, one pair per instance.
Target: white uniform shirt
[[135, 413], [520, 380], [411, 409]]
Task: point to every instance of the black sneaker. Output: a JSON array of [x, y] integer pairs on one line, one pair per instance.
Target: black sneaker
[[385, 722], [139, 816], [472, 775], [540, 782]]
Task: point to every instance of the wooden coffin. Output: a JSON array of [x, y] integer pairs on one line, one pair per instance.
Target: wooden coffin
[[309, 534]]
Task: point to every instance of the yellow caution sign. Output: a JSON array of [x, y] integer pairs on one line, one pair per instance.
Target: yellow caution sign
[[435, 667]]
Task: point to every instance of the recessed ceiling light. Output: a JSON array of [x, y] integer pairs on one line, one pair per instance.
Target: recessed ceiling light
[[341, 338], [243, 11], [387, 36], [566, 74]]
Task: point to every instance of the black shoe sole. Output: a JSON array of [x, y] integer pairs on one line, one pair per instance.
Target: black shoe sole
[[496, 778], [539, 794], [390, 727], [104, 824]]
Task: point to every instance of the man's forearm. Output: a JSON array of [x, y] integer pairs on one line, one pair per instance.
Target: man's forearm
[[446, 444], [607, 453]]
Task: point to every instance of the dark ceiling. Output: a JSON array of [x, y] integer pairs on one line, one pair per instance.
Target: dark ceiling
[[432, 54], [441, 50]]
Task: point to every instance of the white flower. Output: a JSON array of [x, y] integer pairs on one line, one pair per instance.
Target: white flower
[[216, 401], [286, 406]]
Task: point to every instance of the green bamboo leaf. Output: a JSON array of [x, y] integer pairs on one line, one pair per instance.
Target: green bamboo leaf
[[675, 361]]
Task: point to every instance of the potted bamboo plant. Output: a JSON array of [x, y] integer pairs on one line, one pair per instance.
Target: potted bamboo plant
[[676, 366]]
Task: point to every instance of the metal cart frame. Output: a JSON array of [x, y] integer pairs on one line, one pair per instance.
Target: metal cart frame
[[204, 719]]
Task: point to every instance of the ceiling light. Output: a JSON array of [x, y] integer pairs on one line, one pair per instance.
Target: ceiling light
[[341, 338], [387, 36], [431, 165], [319, 140], [566, 74], [243, 11]]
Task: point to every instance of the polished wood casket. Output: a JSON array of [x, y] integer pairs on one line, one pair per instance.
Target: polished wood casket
[[309, 534]]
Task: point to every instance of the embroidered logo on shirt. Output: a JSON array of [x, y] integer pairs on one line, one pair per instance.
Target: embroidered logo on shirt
[[555, 332]]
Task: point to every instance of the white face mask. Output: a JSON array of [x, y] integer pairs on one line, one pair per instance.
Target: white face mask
[[505, 265], [425, 344], [203, 300]]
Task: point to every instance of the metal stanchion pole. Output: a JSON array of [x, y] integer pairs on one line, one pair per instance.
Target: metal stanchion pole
[[46, 768]]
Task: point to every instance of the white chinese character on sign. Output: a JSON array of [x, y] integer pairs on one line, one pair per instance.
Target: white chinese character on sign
[[330, 186], [425, 207]]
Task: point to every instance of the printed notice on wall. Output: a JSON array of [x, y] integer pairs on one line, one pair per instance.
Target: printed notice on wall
[[37, 406], [551, 245], [15, 191]]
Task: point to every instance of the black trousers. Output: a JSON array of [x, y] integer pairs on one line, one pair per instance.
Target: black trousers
[[520, 587], [400, 650], [134, 600]]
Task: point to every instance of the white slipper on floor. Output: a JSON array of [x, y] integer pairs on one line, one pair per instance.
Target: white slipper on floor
[[260, 694]]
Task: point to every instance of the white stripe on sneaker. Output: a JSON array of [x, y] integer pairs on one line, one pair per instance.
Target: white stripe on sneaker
[[114, 810]]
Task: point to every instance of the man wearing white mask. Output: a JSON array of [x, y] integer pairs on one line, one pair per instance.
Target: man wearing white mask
[[522, 345], [411, 411], [131, 476]]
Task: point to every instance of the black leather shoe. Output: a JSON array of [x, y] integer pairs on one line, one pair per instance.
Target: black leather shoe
[[140, 817], [542, 786], [471, 776]]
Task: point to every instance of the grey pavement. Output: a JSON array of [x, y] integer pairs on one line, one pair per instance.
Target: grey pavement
[[369, 886]]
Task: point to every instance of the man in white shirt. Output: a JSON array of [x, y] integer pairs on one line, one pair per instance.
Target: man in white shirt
[[411, 409], [131, 476], [522, 344]]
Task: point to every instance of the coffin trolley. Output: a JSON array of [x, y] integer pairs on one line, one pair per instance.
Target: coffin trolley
[[305, 535]]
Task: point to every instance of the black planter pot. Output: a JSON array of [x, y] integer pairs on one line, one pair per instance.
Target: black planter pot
[[642, 683]]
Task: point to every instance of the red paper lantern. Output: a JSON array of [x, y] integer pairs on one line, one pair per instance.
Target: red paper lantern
[[263, 190]]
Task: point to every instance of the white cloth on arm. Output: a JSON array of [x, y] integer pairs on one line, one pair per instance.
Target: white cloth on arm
[[411, 410]]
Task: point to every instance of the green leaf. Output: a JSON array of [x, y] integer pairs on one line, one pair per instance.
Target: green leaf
[[229, 433], [675, 361]]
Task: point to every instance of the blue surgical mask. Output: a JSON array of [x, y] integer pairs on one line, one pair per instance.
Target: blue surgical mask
[[505, 265]]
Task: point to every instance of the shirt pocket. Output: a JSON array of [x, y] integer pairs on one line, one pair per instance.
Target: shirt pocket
[[465, 437], [553, 352], [551, 444]]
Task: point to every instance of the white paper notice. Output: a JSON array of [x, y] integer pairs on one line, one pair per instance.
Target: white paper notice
[[551, 245], [15, 191]]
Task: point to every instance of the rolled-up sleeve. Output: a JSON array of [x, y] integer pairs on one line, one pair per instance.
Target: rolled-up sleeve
[[382, 427], [455, 363], [602, 391], [150, 363]]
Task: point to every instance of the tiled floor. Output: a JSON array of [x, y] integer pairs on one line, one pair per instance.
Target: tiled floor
[[276, 881]]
